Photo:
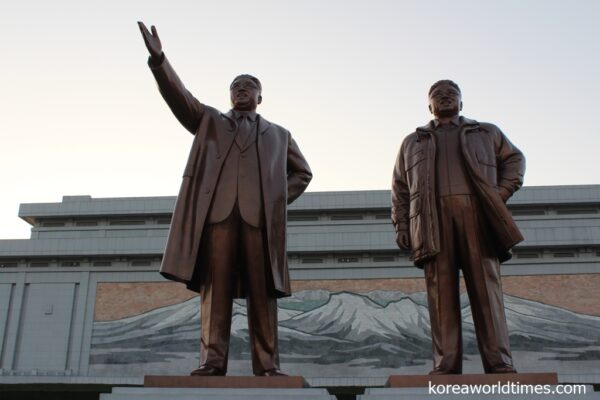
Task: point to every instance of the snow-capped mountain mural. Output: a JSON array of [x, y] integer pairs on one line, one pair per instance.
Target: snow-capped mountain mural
[[343, 333]]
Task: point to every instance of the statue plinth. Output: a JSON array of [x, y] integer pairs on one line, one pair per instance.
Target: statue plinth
[[232, 382]]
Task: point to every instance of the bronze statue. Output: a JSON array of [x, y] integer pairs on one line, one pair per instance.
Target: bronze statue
[[227, 238], [451, 181]]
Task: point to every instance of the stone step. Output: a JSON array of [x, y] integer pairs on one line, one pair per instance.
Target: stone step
[[210, 391], [148, 393], [589, 396]]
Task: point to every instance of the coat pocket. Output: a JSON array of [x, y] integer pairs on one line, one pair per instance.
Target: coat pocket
[[488, 167], [484, 159]]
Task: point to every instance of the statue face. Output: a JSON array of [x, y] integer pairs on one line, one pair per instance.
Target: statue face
[[245, 94], [445, 101]]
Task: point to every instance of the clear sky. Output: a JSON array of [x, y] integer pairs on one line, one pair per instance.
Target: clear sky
[[80, 112]]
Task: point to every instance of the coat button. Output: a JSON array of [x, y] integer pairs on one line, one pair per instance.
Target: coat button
[[207, 191], [218, 156]]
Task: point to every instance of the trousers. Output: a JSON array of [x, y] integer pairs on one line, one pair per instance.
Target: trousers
[[464, 244], [225, 246]]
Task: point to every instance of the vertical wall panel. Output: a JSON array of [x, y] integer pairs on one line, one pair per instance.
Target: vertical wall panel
[[45, 326], [5, 296], [11, 330]]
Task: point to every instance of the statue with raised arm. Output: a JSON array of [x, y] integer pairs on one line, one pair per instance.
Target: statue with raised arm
[[228, 233], [450, 184]]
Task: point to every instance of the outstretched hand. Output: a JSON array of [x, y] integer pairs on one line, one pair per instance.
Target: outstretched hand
[[152, 42]]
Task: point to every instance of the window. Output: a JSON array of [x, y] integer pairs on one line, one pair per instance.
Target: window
[[347, 217], [70, 264], [39, 264], [528, 255], [303, 218], [128, 222], [518, 212], [566, 211], [52, 224], [102, 264], [141, 263], [8, 264], [312, 261], [86, 223], [564, 254], [347, 259], [383, 258]]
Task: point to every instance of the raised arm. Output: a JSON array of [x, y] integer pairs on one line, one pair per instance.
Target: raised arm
[[182, 103]]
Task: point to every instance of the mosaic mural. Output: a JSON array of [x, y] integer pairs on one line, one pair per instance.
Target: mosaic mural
[[331, 334]]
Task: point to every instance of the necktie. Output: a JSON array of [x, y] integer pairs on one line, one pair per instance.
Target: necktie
[[243, 131]]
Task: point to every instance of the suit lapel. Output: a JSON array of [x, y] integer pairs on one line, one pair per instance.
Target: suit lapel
[[263, 125], [262, 139], [226, 137]]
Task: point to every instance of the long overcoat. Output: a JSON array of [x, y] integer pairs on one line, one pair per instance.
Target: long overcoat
[[284, 175], [491, 161]]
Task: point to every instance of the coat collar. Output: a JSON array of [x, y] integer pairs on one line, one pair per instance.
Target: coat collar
[[454, 121], [464, 122], [250, 114], [263, 124]]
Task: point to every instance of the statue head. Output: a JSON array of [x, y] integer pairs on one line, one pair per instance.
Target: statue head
[[245, 92], [445, 99]]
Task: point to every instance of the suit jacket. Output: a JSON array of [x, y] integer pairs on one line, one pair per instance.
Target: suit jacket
[[284, 175], [239, 182], [491, 161]]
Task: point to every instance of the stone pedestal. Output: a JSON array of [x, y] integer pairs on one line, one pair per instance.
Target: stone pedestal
[[219, 388], [191, 393], [231, 382]]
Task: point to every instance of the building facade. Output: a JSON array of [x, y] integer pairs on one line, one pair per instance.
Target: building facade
[[82, 300]]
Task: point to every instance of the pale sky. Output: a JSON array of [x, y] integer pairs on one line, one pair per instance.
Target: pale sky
[[80, 112]]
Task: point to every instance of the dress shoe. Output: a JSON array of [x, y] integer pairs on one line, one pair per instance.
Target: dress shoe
[[272, 372], [207, 370], [444, 372], [505, 369]]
